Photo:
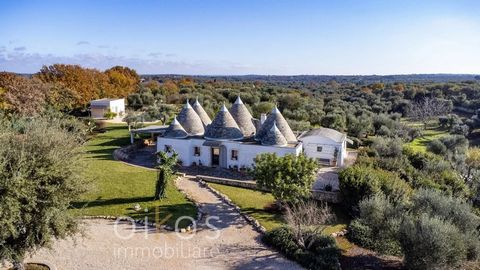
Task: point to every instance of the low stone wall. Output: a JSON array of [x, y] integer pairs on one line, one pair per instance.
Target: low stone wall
[[326, 196], [126, 153], [321, 195], [229, 182], [252, 221]]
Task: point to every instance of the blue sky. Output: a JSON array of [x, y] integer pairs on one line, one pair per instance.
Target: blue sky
[[244, 37]]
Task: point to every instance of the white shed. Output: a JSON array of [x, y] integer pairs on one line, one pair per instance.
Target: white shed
[[99, 107], [326, 145]]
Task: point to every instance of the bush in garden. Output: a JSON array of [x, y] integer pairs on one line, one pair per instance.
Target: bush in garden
[[377, 225], [448, 207], [322, 254], [359, 182], [432, 230], [110, 115], [387, 147], [437, 147], [42, 172], [289, 178], [430, 242]]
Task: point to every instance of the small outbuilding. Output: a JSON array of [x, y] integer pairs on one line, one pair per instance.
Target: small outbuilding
[[326, 145], [99, 107]]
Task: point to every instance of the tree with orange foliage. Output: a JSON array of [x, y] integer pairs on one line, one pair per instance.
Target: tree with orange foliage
[[22, 95], [77, 86], [123, 79]]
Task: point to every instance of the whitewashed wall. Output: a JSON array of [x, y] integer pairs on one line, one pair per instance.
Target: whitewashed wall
[[310, 144], [118, 106], [185, 150], [246, 152]]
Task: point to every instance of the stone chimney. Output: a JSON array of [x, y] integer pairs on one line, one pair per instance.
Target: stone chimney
[[263, 117]]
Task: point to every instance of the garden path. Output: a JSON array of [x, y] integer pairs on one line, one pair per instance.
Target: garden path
[[237, 247]]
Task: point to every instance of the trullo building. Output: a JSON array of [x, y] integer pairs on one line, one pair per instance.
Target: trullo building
[[234, 138]]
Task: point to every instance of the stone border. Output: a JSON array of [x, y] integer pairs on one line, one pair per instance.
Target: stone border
[[252, 221], [200, 212]]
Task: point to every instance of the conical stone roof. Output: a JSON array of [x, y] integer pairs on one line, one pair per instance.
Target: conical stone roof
[[243, 118], [274, 137], [223, 127], [202, 113], [175, 130], [276, 117], [190, 120]]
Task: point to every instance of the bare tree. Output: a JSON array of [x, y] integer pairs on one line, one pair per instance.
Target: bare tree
[[307, 219], [428, 108]]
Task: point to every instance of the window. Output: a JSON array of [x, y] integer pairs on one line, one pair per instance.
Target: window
[[319, 148], [168, 148], [196, 151], [234, 154]]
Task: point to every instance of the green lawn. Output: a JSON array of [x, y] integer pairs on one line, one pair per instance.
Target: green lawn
[[420, 143], [117, 187], [254, 202]]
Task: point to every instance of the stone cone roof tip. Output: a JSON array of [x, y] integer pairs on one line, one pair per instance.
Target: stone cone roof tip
[[243, 118], [175, 130], [238, 100], [202, 113], [276, 117], [223, 127], [274, 137], [190, 121]]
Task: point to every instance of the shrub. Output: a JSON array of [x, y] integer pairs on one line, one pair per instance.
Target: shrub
[[384, 131], [42, 172], [289, 178], [386, 147], [359, 182], [431, 243], [432, 230], [110, 115], [437, 147], [322, 254], [377, 226]]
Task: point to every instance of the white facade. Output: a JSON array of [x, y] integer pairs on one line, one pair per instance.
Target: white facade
[[225, 154], [325, 150], [222, 143], [99, 107]]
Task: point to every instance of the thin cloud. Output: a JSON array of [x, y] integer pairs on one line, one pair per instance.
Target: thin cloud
[[155, 54], [80, 43], [32, 62], [20, 49]]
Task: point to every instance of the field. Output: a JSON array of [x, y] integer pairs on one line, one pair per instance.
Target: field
[[433, 131], [117, 187]]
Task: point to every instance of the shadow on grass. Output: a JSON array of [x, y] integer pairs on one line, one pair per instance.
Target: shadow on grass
[[369, 261], [109, 202]]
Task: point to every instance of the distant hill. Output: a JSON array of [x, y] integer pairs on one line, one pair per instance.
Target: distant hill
[[325, 78]]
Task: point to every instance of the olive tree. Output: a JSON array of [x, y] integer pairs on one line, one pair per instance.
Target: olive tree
[[289, 178], [40, 175]]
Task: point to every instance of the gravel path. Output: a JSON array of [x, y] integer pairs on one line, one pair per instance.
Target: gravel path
[[236, 247]]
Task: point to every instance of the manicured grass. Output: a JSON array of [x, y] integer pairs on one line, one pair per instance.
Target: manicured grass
[[117, 187], [255, 202]]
